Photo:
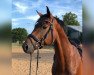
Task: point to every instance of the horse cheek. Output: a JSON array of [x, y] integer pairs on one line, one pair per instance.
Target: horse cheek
[[48, 40]]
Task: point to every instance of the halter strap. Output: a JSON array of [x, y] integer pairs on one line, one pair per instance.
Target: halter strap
[[40, 41], [50, 29], [34, 38]]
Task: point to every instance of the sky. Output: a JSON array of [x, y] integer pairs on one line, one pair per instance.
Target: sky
[[5, 10], [24, 11], [89, 7]]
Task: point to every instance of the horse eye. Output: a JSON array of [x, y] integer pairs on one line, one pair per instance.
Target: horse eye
[[46, 22], [45, 26]]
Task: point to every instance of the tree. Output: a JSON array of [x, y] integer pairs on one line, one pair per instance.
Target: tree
[[19, 34], [5, 32], [70, 19]]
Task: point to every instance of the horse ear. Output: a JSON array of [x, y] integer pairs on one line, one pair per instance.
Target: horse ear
[[48, 11], [40, 14]]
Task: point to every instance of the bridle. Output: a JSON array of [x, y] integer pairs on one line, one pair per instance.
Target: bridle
[[39, 43]]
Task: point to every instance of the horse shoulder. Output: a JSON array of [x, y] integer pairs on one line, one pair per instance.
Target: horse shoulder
[[75, 60]]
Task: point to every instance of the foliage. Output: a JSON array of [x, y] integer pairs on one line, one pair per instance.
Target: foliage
[[70, 19], [19, 34], [5, 32]]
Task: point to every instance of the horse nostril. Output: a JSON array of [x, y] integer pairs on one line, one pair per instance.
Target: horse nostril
[[26, 47]]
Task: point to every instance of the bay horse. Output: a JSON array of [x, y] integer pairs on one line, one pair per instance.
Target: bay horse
[[47, 31]]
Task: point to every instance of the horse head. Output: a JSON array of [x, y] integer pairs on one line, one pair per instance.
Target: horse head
[[43, 33]]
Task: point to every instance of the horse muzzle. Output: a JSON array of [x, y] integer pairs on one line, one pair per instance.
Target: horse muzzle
[[29, 49]]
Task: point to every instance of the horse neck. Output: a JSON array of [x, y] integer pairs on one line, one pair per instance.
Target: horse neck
[[62, 38], [62, 47], [66, 55]]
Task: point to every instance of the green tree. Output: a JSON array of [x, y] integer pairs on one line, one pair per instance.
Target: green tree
[[19, 34], [5, 32], [70, 19]]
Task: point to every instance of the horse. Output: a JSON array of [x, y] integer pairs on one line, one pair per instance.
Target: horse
[[47, 31]]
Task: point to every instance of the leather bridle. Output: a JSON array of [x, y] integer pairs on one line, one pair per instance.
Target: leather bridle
[[40, 41]]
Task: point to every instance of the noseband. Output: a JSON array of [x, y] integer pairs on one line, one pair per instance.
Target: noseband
[[40, 41]]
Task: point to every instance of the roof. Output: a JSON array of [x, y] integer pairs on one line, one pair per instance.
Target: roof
[[77, 28]]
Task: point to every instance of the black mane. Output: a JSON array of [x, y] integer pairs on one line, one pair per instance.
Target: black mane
[[61, 24]]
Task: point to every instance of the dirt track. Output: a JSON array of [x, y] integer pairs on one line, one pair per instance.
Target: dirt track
[[20, 62]]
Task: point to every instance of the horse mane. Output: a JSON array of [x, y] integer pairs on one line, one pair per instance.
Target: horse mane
[[62, 24]]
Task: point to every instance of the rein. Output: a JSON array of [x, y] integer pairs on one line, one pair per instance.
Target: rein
[[39, 45], [37, 62], [30, 64]]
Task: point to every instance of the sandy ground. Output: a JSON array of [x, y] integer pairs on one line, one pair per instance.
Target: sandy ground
[[20, 62], [5, 59]]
